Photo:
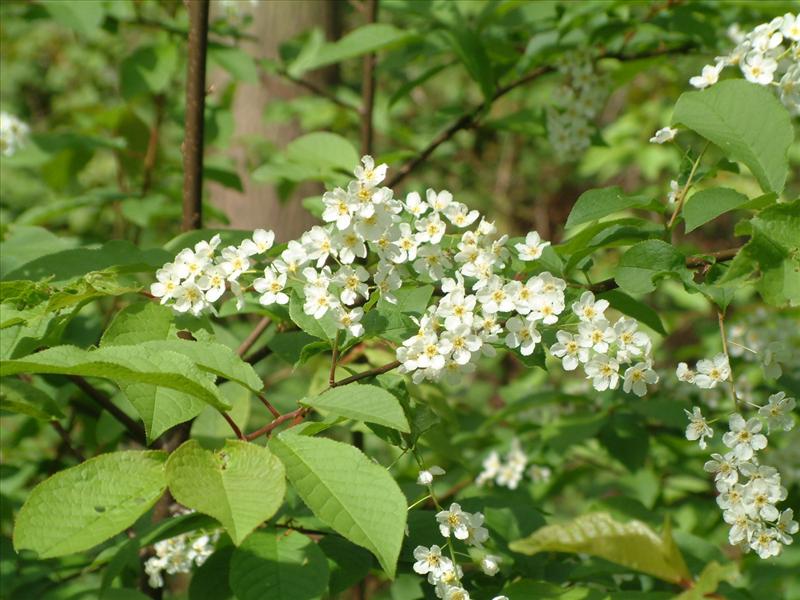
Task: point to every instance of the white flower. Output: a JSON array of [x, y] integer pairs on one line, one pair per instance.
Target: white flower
[[430, 560], [604, 372], [490, 565], [351, 246], [460, 216], [456, 593], [539, 473], [168, 281], [638, 377], [406, 244], [532, 248], [369, 175], [463, 343], [759, 69], [708, 77], [725, 469], [13, 133], [491, 467], [764, 541], [212, 282], [189, 298], [339, 208], [353, 283], [569, 351], [261, 242], [684, 373], [778, 412], [663, 135], [414, 205], [597, 335], [426, 476], [318, 245], [674, 190], [476, 533], [234, 262], [271, 287], [791, 27], [350, 320], [318, 301], [522, 334], [588, 309], [430, 229], [698, 428], [438, 202], [744, 437], [711, 372], [786, 526], [454, 521]]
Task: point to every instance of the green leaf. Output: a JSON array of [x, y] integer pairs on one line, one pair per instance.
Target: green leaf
[[24, 398], [324, 328], [210, 427], [468, 46], [82, 506], [122, 365], [633, 308], [148, 70], [280, 565], [210, 580], [241, 485], [709, 579], [747, 122], [140, 322], [347, 562], [346, 490], [707, 205], [643, 263], [595, 204], [368, 403], [323, 151], [632, 544], [83, 17], [358, 42], [235, 61]]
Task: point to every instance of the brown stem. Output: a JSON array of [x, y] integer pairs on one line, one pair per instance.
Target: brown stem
[[368, 85], [152, 144], [253, 337], [134, 429], [299, 412], [471, 117], [67, 442], [269, 406], [234, 427], [371, 373], [334, 361], [195, 105]]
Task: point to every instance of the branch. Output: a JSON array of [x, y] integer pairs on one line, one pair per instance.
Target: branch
[[67, 442], [371, 373], [234, 427], [692, 262], [368, 85], [269, 406], [298, 413], [471, 117], [134, 429], [195, 105], [253, 337]]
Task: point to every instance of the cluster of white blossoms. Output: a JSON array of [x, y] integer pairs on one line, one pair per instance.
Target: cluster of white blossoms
[[13, 133], [199, 277], [749, 491], [761, 337], [477, 308], [580, 99], [767, 55], [707, 373], [443, 572], [509, 473], [603, 349], [178, 554]]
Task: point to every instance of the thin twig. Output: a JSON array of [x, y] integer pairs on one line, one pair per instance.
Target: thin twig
[[65, 439], [234, 427], [195, 106], [682, 196], [268, 404], [316, 89], [334, 360], [471, 117], [134, 428], [368, 84], [371, 373], [258, 355], [721, 321], [266, 429], [253, 337]]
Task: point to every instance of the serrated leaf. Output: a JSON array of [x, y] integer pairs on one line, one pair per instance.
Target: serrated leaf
[[707, 205], [633, 308], [140, 322], [161, 408], [210, 580], [643, 262], [235, 61], [85, 505], [595, 204], [242, 485], [21, 397], [324, 328], [122, 365], [281, 565], [346, 490], [323, 151], [747, 122], [368, 403], [632, 544], [469, 48]]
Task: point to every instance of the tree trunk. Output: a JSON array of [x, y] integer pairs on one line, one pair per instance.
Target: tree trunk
[[274, 21]]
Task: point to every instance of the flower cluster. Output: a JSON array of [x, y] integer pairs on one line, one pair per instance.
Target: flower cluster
[[749, 490], [708, 372], [760, 337], [768, 53], [509, 473], [604, 348], [443, 572], [581, 98], [199, 277], [178, 555], [13, 133]]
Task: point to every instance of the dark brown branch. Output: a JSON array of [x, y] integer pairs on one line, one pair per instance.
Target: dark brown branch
[[371, 373], [298, 413], [368, 85], [269, 406], [134, 429], [471, 117], [253, 337], [258, 355], [195, 105], [234, 427], [64, 435]]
